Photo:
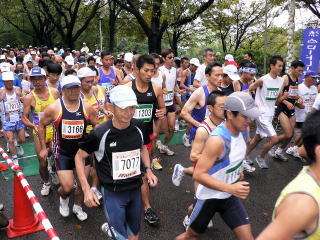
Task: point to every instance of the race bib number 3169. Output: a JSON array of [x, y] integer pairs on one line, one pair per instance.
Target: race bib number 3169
[[126, 164], [72, 129]]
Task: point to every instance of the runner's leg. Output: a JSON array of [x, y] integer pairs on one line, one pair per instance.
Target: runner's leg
[[171, 118], [43, 164], [10, 140]]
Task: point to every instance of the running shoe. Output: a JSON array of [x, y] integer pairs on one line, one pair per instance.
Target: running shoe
[[15, 160], [297, 155], [3, 221], [1, 206], [27, 134], [158, 144], [1, 133], [177, 175], [183, 123], [185, 139], [279, 154], [186, 222], [151, 217], [45, 190], [106, 229], [272, 152], [156, 164], [165, 149], [8, 149], [262, 162], [247, 167], [96, 192], [210, 224], [249, 160], [291, 150], [64, 207], [80, 214], [20, 150]]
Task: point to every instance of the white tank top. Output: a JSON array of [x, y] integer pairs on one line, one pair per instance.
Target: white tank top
[[158, 80], [267, 95]]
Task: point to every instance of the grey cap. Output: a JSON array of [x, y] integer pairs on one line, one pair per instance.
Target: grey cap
[[242, 102]]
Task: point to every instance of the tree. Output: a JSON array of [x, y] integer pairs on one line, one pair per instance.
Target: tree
[[313, 5], [70, 18], [154, 26], [39, 27]]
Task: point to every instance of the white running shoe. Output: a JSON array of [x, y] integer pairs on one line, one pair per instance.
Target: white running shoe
[[8, 149], [279, 154], [210, 224], [64, 207], [158, 144], [106, 229], [54, 178], [186, 222], [20, 150], [81, 215], [15, 160], [247, 167], [45, 190], [27, 134], [271, 152], [185, 139], [165, 149], [291, 150], [177, 175], [176, 126], [1, 206]]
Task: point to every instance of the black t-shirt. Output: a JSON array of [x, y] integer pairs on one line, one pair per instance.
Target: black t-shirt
[[121, 146]]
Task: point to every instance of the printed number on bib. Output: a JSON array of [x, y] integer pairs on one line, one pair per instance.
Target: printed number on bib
[[109, 87], [168, 97], [12, 106], [72, 129], [125, 164], [144, 112], [272, 94], [293, 91], [233, 173]]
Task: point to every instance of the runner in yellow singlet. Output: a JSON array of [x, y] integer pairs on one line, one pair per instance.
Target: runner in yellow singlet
[[36, 102]]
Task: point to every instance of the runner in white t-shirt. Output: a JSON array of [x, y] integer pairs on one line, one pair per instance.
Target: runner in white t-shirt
[[267, 89], [308, 93], [200, 79]]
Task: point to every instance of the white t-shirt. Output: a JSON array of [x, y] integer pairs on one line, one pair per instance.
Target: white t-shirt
[[201, 75], [267, 95], [171, 77], [158, 80], [316, 104], [308, 96]]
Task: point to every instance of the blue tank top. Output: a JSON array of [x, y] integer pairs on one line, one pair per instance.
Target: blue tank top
[[243, 87], [200, 114], [105, 79]]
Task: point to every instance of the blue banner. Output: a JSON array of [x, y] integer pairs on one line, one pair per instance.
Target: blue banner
[[310, 50]]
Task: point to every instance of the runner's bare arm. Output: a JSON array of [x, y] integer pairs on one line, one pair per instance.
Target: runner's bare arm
[[27, 105], [164, 85], [255, 85], [189, 106], [236, 86], [292, 218], [161, 111], [196, 83], [152, 179], [90, 198], [92, 114], [55, 93], [212, 150], [119, 75], [198, 144], [183, 80]]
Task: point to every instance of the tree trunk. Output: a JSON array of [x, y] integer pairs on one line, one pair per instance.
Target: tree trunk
[[154, 43], [175, 40], [112, 26], [290, 45]]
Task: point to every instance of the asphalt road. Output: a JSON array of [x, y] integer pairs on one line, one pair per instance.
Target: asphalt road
[[169, 201]]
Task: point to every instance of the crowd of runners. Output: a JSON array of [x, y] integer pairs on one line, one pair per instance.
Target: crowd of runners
[[96, 121]]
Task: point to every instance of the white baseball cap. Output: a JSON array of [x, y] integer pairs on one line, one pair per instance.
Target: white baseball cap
[[229, 58], [2, 57], [70, 81], [123, 96], [69, 60], [232, 71], [195, 61], [128, 57], [5, 67], [86, 72], [7, 76], [98, 61]]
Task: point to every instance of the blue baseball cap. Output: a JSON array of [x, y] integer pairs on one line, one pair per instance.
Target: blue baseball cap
[[311, 74], [37, 72]]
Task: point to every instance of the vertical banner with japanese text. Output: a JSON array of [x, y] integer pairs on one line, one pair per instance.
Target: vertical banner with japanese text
[[310, 50]]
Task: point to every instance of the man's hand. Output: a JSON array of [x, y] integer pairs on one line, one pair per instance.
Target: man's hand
[[152, 179], [289, 105], [160, 113], [43, 154], [90, 199], [240, 189], [164, 91], [299, 101]]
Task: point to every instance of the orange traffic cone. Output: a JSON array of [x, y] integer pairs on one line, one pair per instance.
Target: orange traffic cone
[[24, 220]]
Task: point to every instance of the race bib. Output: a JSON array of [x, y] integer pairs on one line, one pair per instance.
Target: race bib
[[109, 86], [168, 98], [144, 112], [72, 129], [272, 94], [293, 91], [125, 164], [233, 173], [12, 106], [14, 117]]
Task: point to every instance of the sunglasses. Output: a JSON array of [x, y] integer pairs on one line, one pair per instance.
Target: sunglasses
[[170, 57]]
